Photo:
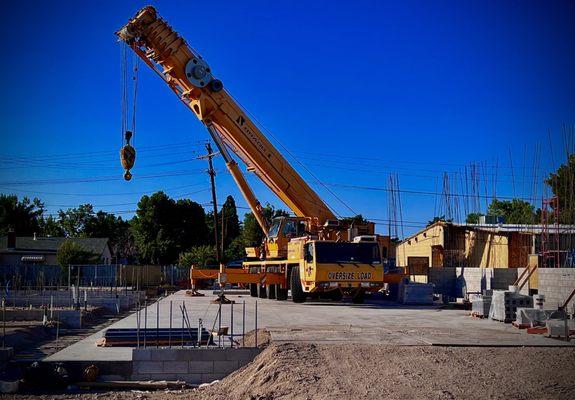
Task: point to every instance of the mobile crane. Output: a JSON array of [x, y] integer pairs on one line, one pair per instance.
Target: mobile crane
[[311, 252]]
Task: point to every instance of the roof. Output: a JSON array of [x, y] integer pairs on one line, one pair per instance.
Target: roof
[[52, 244], [501, 228]]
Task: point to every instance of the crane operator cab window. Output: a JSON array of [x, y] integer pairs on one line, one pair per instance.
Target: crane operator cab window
[[290, 228], [308, 252]]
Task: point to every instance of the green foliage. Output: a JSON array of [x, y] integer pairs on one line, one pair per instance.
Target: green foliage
[[513, 211], [75, 220], [50, 227], [562, 183], [163, 228], [473, 218], [229, 221], [438, 219], [198, 255], [71, 253], [24, 216], [358, 219]]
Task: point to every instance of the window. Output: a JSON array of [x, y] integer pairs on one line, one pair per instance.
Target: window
[[330, 252], [275, 228], [290, 228]]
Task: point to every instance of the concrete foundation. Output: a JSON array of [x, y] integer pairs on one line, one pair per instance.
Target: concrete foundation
[[68, 318], [109, 300], [194, 366]]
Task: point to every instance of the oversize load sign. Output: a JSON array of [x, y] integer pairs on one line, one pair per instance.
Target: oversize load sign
[[348, 276]]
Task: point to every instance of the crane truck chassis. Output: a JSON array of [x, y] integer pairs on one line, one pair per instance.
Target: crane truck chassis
[[311, 252]]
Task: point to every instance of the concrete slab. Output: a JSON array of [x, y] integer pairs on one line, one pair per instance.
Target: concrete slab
[[376, 321]]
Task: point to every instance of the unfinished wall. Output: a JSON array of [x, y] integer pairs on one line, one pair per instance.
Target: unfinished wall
[[486, 249], [457, 282], [419, 245], [194, 366], [556, 284]]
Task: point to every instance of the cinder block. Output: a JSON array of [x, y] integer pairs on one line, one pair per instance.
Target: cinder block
[[202, 367], [194, 379], [225, 367], [176, 367], [141, 355], [165, 354], [148, 367]]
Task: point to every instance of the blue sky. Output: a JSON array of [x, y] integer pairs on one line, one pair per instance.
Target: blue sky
[[354, 91]]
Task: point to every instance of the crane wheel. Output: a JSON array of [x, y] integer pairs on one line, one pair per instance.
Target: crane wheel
[[281, 293], [262, 291], [253, 290], [336, 295], [358, 297], [271, 291], [297, 293]]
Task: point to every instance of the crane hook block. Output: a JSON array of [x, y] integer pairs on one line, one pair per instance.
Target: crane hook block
[[128, 156]]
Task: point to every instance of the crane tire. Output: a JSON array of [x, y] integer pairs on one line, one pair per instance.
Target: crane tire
[[297, 293]]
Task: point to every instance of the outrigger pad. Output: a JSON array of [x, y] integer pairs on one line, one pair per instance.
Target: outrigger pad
[[222, 299]]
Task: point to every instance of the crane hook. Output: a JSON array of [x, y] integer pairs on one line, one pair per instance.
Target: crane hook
[[127, 156]]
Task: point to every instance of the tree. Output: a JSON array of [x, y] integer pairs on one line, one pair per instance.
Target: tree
[[198, 255], [473, 218], [70, 253], [438, 219], [252, 233], [21, 216], [50, 227], [562, 183], [164, 228], [513, 211], [229, 221], [74, 220]]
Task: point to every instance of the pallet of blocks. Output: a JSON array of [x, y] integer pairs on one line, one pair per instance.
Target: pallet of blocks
[[504, 305], [480, 307]]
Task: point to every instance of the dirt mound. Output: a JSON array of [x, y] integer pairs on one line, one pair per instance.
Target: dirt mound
[[308, 371]]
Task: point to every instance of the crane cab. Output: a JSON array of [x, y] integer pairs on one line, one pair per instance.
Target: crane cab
[[282, 230]]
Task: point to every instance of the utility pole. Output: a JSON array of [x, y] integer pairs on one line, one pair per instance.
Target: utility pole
[[212, 174]]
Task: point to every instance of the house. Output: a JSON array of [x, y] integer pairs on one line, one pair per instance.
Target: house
[[446, 244], [16, 250]]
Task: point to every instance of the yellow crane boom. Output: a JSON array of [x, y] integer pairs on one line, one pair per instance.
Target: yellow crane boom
[[191, 78]]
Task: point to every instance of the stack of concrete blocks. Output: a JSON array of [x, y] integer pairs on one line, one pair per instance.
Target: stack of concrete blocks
[[480, 306], [504, 304], [192, 365], [560, 328], [557, 284], [416, 293]]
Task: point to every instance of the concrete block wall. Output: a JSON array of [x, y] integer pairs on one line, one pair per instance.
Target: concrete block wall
[[195, 366], [556, 284], [456, 282], [69, 318]]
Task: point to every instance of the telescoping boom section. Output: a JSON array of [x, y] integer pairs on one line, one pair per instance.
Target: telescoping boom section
[[191, 78], [309, 252]]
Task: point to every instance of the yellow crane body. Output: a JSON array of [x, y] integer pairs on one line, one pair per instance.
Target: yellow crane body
[[306, 253]]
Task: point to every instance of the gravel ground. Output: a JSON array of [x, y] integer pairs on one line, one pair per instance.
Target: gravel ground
[[353, 371]]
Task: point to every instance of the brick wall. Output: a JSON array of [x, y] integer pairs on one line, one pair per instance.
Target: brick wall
[[194, 366], [556, 284]]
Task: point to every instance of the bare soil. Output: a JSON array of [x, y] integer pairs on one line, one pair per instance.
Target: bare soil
[[363, 371]]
